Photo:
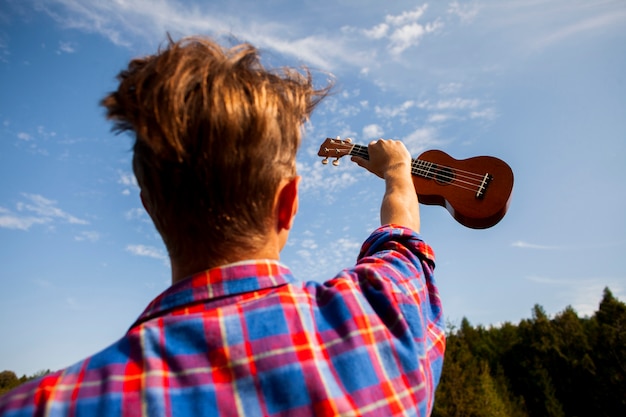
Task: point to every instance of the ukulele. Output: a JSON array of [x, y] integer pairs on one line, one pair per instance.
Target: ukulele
[[476, 191]]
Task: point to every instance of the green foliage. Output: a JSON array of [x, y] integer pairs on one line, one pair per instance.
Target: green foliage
[[8, 379], [564, 366]]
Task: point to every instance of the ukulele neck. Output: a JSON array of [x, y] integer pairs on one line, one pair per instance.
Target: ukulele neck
[[419, 167], [429, 170]]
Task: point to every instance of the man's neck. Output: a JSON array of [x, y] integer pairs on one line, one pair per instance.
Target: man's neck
[[184, 269]]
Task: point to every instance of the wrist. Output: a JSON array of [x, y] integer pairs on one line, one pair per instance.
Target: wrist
[[397, 170]]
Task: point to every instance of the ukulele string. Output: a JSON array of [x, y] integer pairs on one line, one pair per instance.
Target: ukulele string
[[467, 180], [448, 174]]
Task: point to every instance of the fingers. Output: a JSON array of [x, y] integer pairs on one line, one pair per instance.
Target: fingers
[[385, 154], [363, 163], [388, 150]]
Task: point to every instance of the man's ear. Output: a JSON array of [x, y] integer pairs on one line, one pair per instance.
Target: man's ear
[[287, 203]]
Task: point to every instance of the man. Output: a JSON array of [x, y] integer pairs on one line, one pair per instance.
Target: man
[[236, 333]]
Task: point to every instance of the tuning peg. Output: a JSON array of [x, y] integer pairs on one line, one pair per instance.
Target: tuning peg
[[348, 140], [325, 161], [335, 162]]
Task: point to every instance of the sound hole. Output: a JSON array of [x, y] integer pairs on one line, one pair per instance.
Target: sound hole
[[444, 175]]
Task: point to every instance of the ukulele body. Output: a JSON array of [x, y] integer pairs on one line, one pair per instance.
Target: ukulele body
[[456, 189]]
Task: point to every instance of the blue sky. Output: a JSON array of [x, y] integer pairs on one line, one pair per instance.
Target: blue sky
[[540, 84]]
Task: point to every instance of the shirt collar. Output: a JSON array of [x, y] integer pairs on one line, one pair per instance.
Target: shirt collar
[[226, 280]]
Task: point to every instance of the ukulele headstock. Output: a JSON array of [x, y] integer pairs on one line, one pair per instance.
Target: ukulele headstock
[[335, 148]]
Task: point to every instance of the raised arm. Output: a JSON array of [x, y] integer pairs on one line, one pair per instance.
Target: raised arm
[[391, 161]]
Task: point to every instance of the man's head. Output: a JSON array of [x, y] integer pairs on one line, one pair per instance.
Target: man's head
[[216, 133]]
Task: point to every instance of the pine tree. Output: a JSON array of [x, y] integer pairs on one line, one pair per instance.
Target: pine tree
[[609, 356]]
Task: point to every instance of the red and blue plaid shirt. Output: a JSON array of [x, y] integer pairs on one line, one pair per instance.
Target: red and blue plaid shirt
[[249, 339]]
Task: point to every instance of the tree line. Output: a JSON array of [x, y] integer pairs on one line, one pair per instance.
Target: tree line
[[9, 380], [544, 367]]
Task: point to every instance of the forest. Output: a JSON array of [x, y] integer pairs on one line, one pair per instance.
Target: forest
[[545, 367]]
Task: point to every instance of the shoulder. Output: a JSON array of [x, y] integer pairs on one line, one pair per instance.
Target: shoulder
[[393, 277], [394, 269], [84, 386], [393, 249], [394, 237], [28, 398]]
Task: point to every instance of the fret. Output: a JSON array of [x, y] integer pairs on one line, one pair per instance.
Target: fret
[[361, 151], [423, 168]]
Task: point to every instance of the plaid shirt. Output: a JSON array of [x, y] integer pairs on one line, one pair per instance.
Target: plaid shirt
[[249, 339]]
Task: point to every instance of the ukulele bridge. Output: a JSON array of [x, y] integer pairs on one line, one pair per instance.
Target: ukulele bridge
[[480, 193]]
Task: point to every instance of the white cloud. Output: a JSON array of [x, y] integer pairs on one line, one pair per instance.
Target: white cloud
[[589, 24], [143, 250], [394, 111], [93, 17], [514, 29], [525, 245], [403, 30], [410, 35], [66, 47], [24, 136], [40, 134], [456, 108], [326, 179], [465, 12], [372, 131], [148, 251], [13, 221], [406, 36], [136, 214], [421, 139], [35, 209], [318, 51], [377, 32], [121, 21], [90, 236], [321, 261], [128, 180], [309, 244], [487, 114], [346, 248], [455, 104], [47, 209], [332, 47], [44, 133], [406, 17], [449, 88], [438, 118]]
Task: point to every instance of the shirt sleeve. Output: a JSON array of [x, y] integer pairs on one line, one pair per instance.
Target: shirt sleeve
[[394, 271]]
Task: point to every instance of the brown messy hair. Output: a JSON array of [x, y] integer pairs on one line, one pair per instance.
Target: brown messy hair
[[215, 134]]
